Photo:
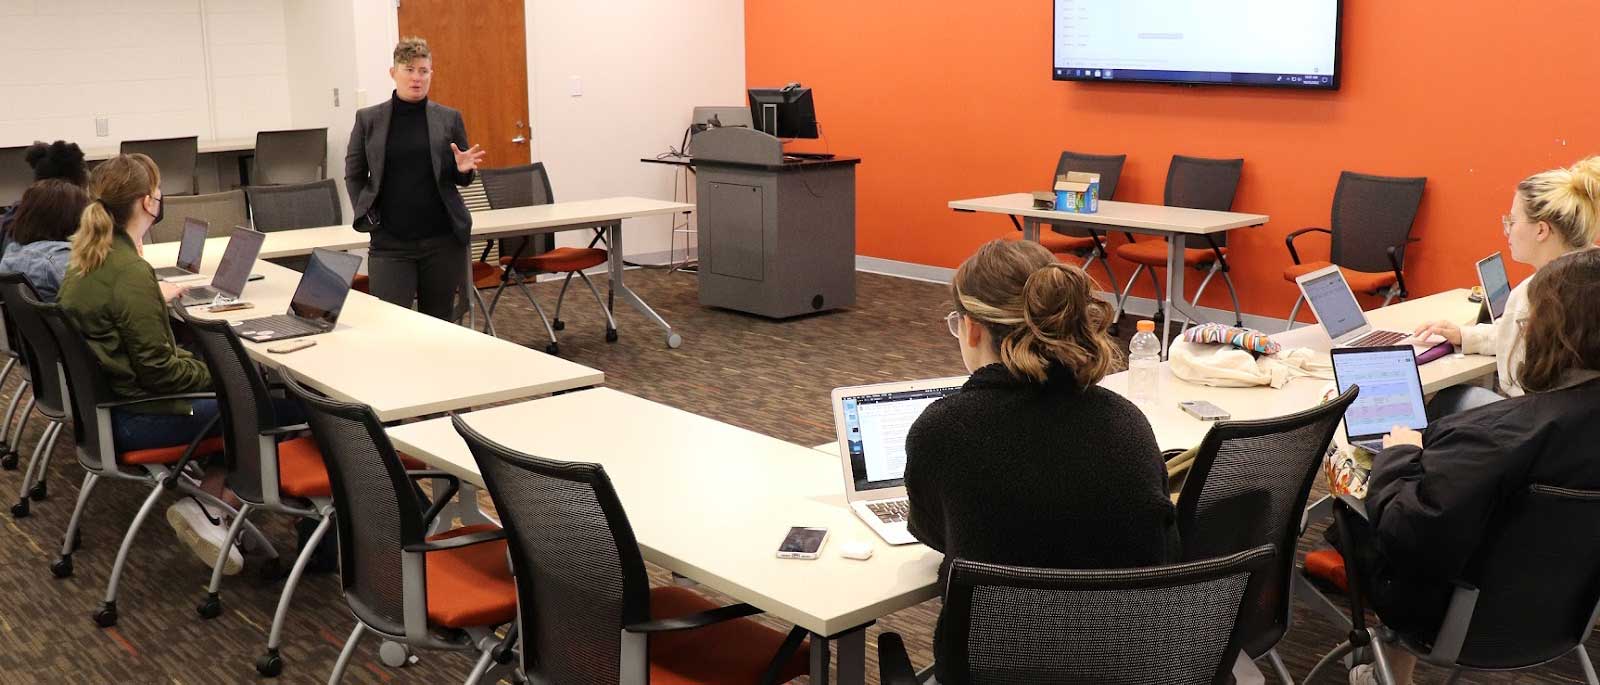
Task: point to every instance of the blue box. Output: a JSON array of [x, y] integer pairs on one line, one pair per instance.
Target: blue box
[[1078, 192]]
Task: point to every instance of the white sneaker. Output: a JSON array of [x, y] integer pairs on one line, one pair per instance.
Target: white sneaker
[[203, 537], [1363, 674]]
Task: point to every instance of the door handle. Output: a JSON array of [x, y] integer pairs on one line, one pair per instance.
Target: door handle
[[519, 140]]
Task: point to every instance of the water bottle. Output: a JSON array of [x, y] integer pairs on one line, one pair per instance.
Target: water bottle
[[1144, 364]]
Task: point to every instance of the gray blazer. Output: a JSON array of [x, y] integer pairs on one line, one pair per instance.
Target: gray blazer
[[363, 164]]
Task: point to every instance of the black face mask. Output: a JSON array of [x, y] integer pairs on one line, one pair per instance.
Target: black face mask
[[161, 210]]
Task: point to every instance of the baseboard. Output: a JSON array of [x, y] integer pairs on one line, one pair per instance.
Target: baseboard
[[1139, 306]]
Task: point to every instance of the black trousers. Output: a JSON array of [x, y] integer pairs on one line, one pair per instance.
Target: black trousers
[[429, 271]]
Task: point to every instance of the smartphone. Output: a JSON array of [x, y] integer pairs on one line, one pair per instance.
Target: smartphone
[[1203, 410], [803, 543], [228, 306], [292, 346]]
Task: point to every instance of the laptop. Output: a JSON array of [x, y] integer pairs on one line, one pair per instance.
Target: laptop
[[1496, 286], [190, 248], [872, 422], [1391, 392], [228, 283], [316, 303], [1338, 312]]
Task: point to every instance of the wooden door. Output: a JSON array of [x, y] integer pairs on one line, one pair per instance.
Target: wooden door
[[480, 66]]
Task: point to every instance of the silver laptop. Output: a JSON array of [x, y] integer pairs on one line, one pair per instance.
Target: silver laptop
[[1391, 392], [1340, 314], [316, 304], [872, 422], [1496, 286], [232, 273], [190, 248]]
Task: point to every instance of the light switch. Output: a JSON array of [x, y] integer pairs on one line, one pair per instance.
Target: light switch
[[102, 127], [575, 86]]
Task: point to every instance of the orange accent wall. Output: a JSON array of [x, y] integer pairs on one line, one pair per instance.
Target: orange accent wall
[[948, 99]]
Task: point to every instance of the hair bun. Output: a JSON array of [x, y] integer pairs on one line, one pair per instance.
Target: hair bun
[[1586, 178], [60, 159]]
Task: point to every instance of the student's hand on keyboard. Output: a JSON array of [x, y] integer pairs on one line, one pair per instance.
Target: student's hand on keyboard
[[171, 291], [1449, 331], [1400, 435]]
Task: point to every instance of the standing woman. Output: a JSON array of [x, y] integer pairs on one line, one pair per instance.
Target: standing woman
[[406, 158]]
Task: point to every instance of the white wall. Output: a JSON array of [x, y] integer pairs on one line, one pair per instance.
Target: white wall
[[249, 65], [319, 62]]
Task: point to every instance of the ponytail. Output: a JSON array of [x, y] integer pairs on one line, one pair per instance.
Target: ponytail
[[117, 186], [1568, 199], [92, 242]]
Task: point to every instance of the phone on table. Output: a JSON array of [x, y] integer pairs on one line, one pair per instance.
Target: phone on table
[[291, 346], [1203, 410], [803, 543]]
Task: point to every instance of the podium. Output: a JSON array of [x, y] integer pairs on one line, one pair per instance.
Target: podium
[[777, 236]]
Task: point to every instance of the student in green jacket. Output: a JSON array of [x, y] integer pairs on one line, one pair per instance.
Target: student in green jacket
[[119, 306]]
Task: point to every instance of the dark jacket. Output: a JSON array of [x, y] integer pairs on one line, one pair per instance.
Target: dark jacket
[[1431, 506], [1053, 475], [363, 164]]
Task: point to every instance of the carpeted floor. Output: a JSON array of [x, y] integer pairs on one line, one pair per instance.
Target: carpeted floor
[[771, 377]]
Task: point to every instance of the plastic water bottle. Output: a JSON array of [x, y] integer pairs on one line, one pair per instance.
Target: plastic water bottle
[[1144, 364]]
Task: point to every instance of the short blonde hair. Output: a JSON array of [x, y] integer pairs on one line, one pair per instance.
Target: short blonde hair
[[1568, 199], [411, 49]]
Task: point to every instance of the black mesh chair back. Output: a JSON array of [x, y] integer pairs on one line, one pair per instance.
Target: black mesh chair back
[[378, 510], [1108, 166], [222, 211], [1370, 215], [580, 576], [293, 156], [527, 185], [1248, 487], [1173, 624], [87, 385], [175, 157], [43, 356], [303, 205], [245, 402], [15, 174], [1203, 183], [1538, 577]]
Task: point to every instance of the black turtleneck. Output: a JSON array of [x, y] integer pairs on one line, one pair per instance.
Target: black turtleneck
[[408, 199], [1050, 475]]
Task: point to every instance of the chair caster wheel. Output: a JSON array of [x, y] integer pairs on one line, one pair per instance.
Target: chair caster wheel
[[40, 492], [106, 615], [394, 654], [210, 608], [552, 349], [20, 509], [8, 460], [611, 335], [270, 665], [674, 341], [559, 325], [61, 568]]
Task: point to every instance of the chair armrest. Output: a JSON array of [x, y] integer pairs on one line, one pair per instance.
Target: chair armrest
[[1397, 258], [171, 481], [467, 540], [440, 500], [894, 665], [1216, 251], [1014, 222], [1453, 629], [1288, 240], [700, 620], [158, 398], [286, 430]]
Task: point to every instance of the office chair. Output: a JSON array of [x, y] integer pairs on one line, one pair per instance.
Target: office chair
[[292, 156], [449, 591], [12, 347], [1372, 219], [1084, 241], [1248, 486], [1180, 624], [1196, 183], [300, 205], [43, 368], [588, 613], [15, 174], [175, 157], [1528, 599], [223, 211]]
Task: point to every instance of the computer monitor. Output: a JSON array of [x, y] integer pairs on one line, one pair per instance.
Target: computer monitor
[[785, 112]]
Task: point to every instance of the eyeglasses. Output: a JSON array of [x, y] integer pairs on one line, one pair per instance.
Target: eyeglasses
[[1507, 221], [953, 321]]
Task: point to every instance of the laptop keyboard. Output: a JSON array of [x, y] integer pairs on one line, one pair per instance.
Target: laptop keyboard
[[283, 324], [1378, 339], [200, 295], [891, 511]]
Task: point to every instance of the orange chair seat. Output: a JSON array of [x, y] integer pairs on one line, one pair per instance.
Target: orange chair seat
[[470, 586], [1057, 243], [736, 651], [560, 260], [485, 275], [361, 284], [1328, 565], [302, 473], [1360, 281], [1153, 253], [170, 455]]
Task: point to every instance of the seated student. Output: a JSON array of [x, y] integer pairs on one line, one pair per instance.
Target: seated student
[[1432, 494], [46, 217], [61, 160], [113, 296], [1552, 213], [1032, 463]]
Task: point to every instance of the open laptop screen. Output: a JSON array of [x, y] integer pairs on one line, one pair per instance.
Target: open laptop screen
[[323, 287], [234, 270], [1391, 389], [1335, 305], [193, 244], [875, 429], [1496, 286]]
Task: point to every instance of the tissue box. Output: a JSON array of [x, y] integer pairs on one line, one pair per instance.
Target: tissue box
[[1078, 192]]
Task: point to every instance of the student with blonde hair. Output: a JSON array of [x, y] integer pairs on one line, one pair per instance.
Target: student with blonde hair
[[1553, 213]]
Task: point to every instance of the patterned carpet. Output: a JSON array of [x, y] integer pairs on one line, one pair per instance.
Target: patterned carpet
[[771, 377]]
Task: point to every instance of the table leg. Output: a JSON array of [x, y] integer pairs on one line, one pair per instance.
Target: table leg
[[474, 302], [1174, 294], [614, 235], [464, 507], [1030, 229], [852, 647]]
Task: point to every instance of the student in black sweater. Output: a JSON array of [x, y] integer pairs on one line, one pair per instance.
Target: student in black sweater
[[1032, 463]]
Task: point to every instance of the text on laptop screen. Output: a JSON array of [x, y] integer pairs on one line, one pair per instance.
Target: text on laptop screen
[[324, 285], [875, 430], [234, 270], [1391, 390], [1496, 286], [192, 245], [1335, 305]]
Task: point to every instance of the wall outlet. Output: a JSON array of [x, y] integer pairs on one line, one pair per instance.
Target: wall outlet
[[335, 97], [102, 127], [575, 86]]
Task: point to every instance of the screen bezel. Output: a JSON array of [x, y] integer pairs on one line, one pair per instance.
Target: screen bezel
[[252, 241], [1333, 360], [1366, 324], [1338, 64], [193, 227], [841, 430], [324, 258], [1498, 261]]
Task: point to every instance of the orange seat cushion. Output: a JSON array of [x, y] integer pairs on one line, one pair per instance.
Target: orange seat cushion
[[1327, 565], [301, 472], [361, 284], [736, 651], [170, 455], [470, 586], [1057, 243], [485, 275], [1360, 281], [1153, 253], [560, 260]]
